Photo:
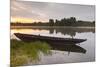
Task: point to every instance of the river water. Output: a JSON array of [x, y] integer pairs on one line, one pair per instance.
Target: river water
[[83, 52]]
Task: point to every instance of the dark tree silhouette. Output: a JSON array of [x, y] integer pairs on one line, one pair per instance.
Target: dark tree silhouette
[[93, 22], [62, 22], [51, 22], [73, 19], [57, 22]]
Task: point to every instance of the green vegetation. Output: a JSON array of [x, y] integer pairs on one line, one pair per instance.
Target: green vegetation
[[22, 52], [63, 22]]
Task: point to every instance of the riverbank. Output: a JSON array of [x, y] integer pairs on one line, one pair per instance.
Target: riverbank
[[29, 27], [23, 53]]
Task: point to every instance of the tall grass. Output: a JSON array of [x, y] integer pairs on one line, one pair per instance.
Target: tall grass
[[23, 52]]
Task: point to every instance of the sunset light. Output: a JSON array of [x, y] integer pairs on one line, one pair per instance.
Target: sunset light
[[21, 20]]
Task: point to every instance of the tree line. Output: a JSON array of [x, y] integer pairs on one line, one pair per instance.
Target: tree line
[[63, 22]]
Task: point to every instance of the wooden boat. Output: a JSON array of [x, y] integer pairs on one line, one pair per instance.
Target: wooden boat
[[48, 39]]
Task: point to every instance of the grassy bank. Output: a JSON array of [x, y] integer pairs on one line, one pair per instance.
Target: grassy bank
[[22, 53]]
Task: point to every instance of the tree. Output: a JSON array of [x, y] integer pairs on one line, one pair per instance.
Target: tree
[[73, 19], [63, 21], [51, 22], [93, 22], [70, 21]]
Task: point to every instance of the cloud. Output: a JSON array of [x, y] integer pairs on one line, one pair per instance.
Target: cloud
[[45, 11]]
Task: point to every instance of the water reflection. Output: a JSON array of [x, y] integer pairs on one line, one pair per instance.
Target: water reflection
[[78, 53], [68, 47], [64, 31], [70, 31]]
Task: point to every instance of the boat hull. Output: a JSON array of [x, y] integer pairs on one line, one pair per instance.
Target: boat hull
[[51, 40]]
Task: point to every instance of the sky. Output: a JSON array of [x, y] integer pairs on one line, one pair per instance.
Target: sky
[[30, 11]]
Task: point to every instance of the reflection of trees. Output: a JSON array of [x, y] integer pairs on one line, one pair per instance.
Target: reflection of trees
[[69, 31], [51, 30], [65, 31]]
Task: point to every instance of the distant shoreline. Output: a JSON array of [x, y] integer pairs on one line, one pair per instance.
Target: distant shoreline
[[52, 27]]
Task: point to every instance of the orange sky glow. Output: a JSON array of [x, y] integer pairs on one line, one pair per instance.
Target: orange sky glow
[[24, 20], [21, 20]]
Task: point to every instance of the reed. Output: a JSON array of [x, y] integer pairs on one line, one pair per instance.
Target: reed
[[22, 52]]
